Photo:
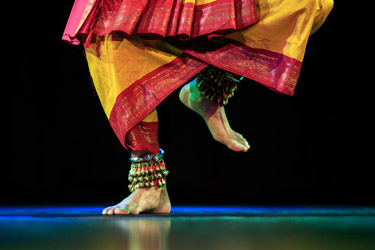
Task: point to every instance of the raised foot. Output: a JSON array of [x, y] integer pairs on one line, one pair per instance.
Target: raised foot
[[214, 116], [144, 200]]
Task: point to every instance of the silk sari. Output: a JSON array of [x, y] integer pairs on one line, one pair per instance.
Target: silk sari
[[139, 52]]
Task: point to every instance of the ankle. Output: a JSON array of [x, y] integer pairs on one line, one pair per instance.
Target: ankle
[[147, 171]]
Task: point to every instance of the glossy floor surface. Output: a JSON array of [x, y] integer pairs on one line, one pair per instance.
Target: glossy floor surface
[[193, 228]]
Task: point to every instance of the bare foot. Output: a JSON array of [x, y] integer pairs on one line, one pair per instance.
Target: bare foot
[[144, 200], [214, 116]]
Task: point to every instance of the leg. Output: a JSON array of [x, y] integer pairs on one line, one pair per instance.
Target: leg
[[142, 140], [214, 116]]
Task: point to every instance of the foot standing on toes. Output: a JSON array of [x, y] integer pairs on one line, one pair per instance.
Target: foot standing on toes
[[214, 116]]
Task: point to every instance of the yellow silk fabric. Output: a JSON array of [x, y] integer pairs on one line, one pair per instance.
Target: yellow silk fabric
[[115, 64], [285, 25], [152, 117]]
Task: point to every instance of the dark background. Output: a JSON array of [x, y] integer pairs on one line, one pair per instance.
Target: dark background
[[306, 149]]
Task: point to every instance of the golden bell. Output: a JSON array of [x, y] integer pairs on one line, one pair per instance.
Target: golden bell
[[147, 184], [162, 165], [140, 178], [163, 181], [141, 184], [130, 178]]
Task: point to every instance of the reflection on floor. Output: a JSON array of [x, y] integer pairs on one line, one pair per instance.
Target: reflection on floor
[[193, 227]]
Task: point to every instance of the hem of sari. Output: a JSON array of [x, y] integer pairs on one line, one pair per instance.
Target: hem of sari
[[143, 137], [144, 95], [274, 70]]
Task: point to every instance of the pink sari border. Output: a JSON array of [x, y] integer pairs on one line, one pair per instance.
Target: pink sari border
[[71, 33], [274, 70], [161, 19]]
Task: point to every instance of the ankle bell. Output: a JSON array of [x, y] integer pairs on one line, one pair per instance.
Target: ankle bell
[[217, 85], [147, 171]]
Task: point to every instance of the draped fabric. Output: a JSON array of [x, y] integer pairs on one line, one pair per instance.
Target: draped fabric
[[143, 137], [141, 51], [133, 76], [159, 19]]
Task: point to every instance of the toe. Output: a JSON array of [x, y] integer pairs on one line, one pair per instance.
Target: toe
[[235, 146], [245, 142], [111, 211], [121, 211], [244, 147], [105, 211]]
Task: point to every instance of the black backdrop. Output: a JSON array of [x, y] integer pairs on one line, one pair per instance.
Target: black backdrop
[[306, 149]]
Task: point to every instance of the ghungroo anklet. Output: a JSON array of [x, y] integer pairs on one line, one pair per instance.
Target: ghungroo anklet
[[147, 171], [217, 85]]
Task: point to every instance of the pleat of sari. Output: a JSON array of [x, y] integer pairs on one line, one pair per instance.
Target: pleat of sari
[[132, 74], [182, 19]]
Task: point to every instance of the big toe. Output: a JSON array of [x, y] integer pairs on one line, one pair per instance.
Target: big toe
[[238, 147], [121, 211]]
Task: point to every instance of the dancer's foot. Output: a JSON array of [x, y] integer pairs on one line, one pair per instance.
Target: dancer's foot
[[214, 116], [144, 200]]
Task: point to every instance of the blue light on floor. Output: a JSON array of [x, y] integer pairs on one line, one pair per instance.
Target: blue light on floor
[[197, 210], [50, 211], [188, 227], [271, 210]]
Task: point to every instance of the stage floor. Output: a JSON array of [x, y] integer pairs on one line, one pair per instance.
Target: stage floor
[[190, 227]]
